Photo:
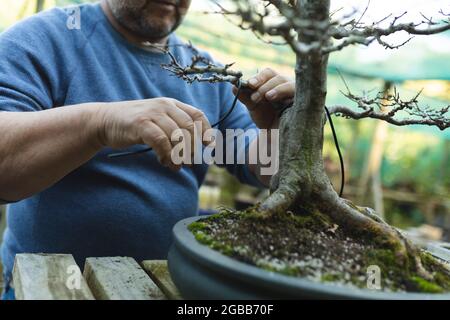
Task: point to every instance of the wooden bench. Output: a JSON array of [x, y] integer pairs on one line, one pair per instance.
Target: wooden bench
[[57, 277]]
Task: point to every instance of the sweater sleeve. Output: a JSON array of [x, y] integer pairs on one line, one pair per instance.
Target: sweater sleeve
[[31, 68]]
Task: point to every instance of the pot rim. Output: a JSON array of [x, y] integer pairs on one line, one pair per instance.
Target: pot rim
[[185, 241]]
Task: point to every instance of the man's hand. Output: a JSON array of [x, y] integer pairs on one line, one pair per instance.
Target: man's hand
[[268, 88], [151, 122]]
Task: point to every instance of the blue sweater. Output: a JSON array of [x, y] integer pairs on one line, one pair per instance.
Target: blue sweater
[[106, 207]]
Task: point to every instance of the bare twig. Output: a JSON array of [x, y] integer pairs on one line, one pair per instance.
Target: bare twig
[[201, 69], [388, 107], [375, 32], [278, 18], [362, 15]]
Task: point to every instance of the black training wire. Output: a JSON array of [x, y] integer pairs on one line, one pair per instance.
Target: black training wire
[[341, 160], [223, 118], [233, 105], [227, 114]]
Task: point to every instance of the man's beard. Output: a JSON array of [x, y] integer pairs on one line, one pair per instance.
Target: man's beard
[[135, 19]]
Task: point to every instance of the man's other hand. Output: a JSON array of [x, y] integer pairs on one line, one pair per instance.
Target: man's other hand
[[267, 88]]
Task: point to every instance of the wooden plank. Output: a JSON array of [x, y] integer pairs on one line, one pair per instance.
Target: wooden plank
[[439, 252], [157, 270], [49, 277], [119, 278]]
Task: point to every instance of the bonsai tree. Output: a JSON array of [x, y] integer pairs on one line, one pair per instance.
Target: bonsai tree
[[301, 192]]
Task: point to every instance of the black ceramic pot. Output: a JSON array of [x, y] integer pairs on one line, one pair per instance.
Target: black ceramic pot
[[202, 273]]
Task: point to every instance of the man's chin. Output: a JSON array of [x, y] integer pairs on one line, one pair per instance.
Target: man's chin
[[155, 30], [154, 34]]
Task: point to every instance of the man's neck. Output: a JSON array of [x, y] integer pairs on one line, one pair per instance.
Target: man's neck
[[127, 34]]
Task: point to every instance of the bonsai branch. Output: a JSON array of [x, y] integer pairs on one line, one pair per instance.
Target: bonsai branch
[[425, 27], [200, 69], [262, 19], [354, 32], [388, 108], [277, 18]]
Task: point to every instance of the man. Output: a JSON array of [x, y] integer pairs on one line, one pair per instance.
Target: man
[[75, 94]]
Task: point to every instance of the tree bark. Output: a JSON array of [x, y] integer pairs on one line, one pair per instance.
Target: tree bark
[[301, 168]]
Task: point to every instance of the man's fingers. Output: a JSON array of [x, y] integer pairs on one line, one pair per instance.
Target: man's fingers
[[184, 121], [155, 137], [168, 125], [268, 87], [261, 78], [283, 91], [196, 116]]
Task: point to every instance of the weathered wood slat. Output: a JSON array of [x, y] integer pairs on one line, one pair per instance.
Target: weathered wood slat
[[157, 270], [439, 252], [49, 277], [119, 278]]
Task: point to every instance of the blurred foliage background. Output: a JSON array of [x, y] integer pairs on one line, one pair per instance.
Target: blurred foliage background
[[403, 172]]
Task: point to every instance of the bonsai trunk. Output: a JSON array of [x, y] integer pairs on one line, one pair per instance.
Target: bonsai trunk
[[301, 181]]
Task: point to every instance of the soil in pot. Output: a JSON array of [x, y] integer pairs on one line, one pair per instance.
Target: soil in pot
[[309, 245]]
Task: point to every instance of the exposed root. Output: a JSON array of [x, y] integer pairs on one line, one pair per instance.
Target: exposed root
[[359, 221], [410, 248], [279, 201], [369, 212], [415, 252], [298, 242], [403, 247]]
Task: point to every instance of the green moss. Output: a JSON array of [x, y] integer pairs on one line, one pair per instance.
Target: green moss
[[197, 226], [374, 235], [207, 240], [217, 216], [253, 213], [441, 276], [397, 273], [222, 247], [384, 258], [442, 279], [287, 270], [423, 285], [330, 277], [389, 265], [203, 238], [309, 218], [427, 259], [290, 271], [303, 219]]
